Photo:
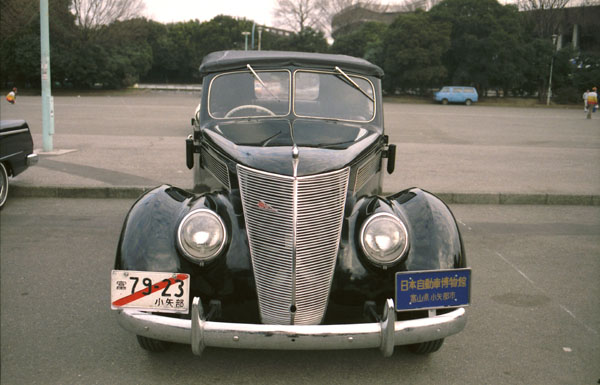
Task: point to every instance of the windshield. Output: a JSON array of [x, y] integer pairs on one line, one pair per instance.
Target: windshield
[[333, 95], [250, 94], [317, 94]]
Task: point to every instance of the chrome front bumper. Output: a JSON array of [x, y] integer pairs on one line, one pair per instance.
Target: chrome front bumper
[[383, 335]]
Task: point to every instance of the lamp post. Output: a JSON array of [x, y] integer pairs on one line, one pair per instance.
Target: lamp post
[[47, 100], [246, 33], [551, 67], [259, 36]]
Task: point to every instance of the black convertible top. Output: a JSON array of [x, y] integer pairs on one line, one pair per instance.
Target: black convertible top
[[231, 60]]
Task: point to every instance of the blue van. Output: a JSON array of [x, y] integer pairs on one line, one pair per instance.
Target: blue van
[[457, 94]]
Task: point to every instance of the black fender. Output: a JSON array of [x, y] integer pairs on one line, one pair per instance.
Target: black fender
[[435, 243], [148, 236], [435, 239], [148, 242]]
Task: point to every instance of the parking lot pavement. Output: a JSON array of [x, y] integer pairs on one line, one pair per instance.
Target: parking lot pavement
[[125, 144], [534, 316]]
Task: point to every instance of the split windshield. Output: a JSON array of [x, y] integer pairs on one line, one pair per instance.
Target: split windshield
[[316, 94]]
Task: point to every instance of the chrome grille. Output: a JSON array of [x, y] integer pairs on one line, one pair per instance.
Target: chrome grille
[[216, 167], [294, 227], [366, 171]]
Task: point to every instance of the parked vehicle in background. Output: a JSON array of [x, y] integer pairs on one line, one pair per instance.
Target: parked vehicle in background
[[457, 94], [16, 152], [297, 248]]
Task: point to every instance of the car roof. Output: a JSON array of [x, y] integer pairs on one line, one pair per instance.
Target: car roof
[[231, 60]]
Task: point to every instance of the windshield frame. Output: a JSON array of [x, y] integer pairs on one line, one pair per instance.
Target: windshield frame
[[247, 71], [334, 73], [292, 94]]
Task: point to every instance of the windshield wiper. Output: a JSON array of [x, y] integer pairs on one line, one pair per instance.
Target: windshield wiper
[[261, 82], [352, 82]]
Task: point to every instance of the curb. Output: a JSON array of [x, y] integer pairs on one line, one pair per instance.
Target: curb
[[449, 198]]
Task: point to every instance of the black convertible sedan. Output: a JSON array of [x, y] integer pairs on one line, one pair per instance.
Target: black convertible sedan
[[298, 248]]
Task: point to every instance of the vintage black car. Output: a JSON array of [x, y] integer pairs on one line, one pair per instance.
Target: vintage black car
[[297, 248], [16, 152]]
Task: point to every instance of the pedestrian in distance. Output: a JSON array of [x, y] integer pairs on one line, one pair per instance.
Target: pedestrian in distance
[[12, 96], [585, 95], [592, 102]]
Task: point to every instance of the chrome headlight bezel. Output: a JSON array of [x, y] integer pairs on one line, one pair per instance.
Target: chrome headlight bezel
[[397, 255], [187, 250]]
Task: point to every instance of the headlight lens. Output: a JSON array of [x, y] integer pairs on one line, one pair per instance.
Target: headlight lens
[[384, 239], [201, 235]]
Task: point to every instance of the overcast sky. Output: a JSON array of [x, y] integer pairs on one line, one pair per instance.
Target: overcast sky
[[166, 11]]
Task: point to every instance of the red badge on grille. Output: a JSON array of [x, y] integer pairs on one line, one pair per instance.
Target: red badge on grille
[[265, 206]]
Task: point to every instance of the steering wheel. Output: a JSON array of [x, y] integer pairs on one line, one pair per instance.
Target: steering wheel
[[246, 106]]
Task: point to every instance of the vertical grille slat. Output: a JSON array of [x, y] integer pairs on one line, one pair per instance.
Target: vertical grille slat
[[293, 260]]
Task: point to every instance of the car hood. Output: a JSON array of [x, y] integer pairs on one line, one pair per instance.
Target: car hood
[[267, 144]]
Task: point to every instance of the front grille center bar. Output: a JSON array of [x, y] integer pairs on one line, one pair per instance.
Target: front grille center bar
[[295, 160]]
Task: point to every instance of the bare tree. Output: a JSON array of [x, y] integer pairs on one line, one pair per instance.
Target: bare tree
[[317, 14], [297, 14], [92, 14], [544, 15]]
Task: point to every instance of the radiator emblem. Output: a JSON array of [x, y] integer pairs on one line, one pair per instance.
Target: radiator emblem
[[266, 207]]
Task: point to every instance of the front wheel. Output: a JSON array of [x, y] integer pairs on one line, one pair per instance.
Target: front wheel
[[444, 101], [468, 102], [426, 347], [152, 345], [3, 184]]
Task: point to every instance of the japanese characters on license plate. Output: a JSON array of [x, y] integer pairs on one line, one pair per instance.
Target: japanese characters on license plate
[[432, 289], [150, 291]]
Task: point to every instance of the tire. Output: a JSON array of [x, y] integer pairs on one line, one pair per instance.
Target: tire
[[3, 184], [444, 101], [468, 102], [152, 345], [426, 347]]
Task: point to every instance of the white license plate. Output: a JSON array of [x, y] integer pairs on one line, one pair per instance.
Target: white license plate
[[150, 291]]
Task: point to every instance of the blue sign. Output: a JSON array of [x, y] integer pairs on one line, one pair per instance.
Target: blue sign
[[432, 289]]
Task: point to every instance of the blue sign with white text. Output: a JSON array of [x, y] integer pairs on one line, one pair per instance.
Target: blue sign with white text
[[433, 289]]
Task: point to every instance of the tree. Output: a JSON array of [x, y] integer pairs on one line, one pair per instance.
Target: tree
[[363, 41], [412, 50], [298, 14], [91, 15], [543, 15], [487, 43]]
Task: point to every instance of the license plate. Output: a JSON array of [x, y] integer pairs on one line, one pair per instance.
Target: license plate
[[150, 291], [433, 289]]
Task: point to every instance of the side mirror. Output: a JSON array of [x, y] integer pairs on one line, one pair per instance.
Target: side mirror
[[391, 157], [189, 152]]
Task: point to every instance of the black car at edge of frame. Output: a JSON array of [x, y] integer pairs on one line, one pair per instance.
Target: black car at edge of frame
[[297, 248], [16, 152]]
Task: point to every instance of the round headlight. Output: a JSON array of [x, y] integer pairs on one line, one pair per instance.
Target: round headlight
[[384, 239], [201, 235]]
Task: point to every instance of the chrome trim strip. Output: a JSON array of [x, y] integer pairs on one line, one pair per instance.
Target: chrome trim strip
[[201, 333], [6, 133]]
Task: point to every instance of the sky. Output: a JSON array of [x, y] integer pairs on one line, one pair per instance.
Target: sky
[[167, 11]]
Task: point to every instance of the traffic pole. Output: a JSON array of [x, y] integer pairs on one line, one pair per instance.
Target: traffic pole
[[47, 100]]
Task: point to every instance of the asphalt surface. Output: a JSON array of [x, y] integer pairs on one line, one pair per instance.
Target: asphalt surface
[[119, 146], [534, 317]]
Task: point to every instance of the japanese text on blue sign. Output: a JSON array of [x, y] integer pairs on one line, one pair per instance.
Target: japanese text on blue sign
[[432, 289]]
